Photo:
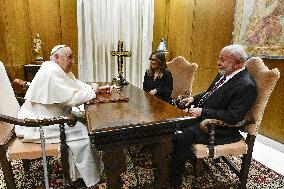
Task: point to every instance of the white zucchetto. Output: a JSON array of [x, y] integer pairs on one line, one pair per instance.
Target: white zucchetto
[[54, 49]]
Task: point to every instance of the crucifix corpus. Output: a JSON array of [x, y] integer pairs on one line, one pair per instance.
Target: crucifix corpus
[[120, 55]]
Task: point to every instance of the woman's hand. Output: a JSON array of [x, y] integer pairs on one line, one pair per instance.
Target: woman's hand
[[153, 92]]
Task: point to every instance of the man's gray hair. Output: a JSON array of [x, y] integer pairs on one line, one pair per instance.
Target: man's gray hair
[[237, 50]]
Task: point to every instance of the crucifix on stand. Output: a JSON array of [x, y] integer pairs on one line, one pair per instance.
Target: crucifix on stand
[[120, 55]]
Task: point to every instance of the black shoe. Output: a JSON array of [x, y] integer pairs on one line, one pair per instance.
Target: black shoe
[[175, 187], [175, 181], [79, 183]]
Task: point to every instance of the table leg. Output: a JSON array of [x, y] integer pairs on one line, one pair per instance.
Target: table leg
[[161, 162], [115, 164]]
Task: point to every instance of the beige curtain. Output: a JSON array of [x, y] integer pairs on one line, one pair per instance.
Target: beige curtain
[[101, 23]]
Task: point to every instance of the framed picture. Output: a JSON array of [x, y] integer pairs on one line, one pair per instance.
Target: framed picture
[[259, 27]]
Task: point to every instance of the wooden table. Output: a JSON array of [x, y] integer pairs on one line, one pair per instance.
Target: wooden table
[[144, 119]]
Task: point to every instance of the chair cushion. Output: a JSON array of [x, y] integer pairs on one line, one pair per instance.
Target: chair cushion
[[21, 150], [6, 132], [235, 149]]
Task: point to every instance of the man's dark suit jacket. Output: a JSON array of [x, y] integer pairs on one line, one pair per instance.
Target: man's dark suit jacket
[[229, 103]]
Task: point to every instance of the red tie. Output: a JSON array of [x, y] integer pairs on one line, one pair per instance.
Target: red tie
[[212, 90]]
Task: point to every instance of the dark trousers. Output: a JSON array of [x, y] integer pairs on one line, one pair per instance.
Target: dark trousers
[[192, 134], [181, 151]]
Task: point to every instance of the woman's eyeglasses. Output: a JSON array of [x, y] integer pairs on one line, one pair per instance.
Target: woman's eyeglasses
[[154, 59]]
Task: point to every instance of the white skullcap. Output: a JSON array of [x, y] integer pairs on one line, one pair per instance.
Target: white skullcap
[[54, 49]]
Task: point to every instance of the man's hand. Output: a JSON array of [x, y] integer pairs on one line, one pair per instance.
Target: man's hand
[[195, 112], [186, 101], [153, 92]]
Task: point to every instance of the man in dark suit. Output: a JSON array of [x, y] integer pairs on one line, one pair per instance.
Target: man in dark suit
[[229, 98]]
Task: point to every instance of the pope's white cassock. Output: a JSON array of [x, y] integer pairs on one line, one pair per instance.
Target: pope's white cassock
[[52, 93]]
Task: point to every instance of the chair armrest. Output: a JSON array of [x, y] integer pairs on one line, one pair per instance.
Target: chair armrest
[[207, 123], [4, 138], [208, 126], [70, 120]]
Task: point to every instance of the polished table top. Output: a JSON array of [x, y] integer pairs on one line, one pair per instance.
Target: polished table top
[[141, 108]]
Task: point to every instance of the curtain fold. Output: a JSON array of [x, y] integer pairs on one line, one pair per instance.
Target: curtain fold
[[101, 24]]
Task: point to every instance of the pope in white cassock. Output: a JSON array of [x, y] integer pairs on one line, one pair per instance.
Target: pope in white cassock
[[52, 93]]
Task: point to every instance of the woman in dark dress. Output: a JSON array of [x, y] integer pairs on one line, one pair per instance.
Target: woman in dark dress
[[158, 79]]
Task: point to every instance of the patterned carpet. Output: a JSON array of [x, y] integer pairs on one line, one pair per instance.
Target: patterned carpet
[[141, 175]]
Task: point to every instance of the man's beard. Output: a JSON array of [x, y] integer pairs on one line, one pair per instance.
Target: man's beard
[[223, 71]]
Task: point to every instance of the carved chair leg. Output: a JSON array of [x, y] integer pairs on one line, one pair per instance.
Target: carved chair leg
[[64, 149], [7, 169], [246, 161], [65, 166]]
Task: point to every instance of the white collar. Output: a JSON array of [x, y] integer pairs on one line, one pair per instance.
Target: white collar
[[230, 76], [234, 73]]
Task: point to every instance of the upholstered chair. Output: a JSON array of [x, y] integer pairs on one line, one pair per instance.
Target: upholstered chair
[[12, 148], [266, 80], [183, 74]]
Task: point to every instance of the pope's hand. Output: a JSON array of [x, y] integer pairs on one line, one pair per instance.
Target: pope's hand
[[105, 89], [95, 86]]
